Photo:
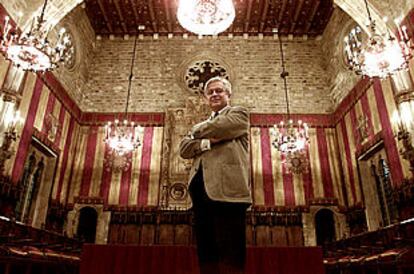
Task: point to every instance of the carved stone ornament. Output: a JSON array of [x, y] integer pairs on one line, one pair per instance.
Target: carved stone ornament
[[362, 128], [200, 71], [178, 191], [196, 111], [70, 60], [52, 127]]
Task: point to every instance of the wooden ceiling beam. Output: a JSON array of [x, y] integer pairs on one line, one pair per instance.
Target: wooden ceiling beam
[[282, 11], [248, 15], [121, 17], [152, 16], [263, 16], [168, 15], [312, 15], [296, 16], [102, 8], [135, 11], [231, 28], [253, 16]]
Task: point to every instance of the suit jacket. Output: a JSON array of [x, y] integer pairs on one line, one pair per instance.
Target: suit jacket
[[226, 168]]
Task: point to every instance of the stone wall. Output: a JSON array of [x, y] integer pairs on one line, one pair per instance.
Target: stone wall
[[253, 64], [392, 9], [74, 78]]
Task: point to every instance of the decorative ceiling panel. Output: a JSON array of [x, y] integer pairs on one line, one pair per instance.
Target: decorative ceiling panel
[[297, 17]]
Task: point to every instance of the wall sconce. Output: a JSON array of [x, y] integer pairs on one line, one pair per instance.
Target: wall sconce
[[10, 135], [403, 87]]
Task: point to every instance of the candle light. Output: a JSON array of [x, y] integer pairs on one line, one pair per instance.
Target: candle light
[[405, 35]]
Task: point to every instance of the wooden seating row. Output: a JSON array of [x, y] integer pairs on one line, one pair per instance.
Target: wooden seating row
[[387, 250], [24, 249]]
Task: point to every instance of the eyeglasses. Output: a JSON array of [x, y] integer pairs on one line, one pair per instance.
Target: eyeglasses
[[217, 91]]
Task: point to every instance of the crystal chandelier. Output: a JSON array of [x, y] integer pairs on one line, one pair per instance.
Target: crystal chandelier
[[31, 50], [381, 55], [291, 138], [205, 17], [122, 137]]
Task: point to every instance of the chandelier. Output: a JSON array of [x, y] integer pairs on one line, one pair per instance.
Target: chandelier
[[381, 55], [291, 137], [205, 17], [31, 50], [122, 137]]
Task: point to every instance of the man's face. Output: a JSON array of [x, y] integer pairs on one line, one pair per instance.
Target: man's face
[[217, 97]]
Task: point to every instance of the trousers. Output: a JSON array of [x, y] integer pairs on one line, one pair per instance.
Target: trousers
[[220, 230]]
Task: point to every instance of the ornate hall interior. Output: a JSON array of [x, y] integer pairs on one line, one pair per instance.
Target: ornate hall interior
[[73, 201]]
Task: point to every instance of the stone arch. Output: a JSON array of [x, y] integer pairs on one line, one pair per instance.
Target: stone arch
[[102, 226], [309, 228], [357, 11], [325, 226], [55, 10], [87, 223]]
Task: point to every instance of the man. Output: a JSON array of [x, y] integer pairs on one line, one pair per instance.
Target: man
[[219, 181]]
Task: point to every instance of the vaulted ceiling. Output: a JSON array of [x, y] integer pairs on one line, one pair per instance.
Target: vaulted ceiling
[[297, 17]]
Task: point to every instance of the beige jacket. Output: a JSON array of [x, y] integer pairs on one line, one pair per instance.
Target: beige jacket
[[226, 166]]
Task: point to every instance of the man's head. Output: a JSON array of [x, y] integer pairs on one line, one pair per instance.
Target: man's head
[[217, 92]]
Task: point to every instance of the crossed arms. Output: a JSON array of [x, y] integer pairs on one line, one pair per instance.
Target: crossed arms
[[226, 127]]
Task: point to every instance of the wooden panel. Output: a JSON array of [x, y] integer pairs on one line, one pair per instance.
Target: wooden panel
[[166, 236], [148, 234], [295, 236], [279, 236], [263, 235], [182, 234]]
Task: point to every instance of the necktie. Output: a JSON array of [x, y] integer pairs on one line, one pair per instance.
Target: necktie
[[213, 116]]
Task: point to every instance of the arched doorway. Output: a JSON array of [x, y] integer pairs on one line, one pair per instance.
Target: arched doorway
[[325, 226], [88, 218]]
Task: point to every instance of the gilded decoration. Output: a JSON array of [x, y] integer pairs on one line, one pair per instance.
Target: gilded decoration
[[53, 127], [70, 59], [297, 162], [175, 170], [178, 191], [362, 129]]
